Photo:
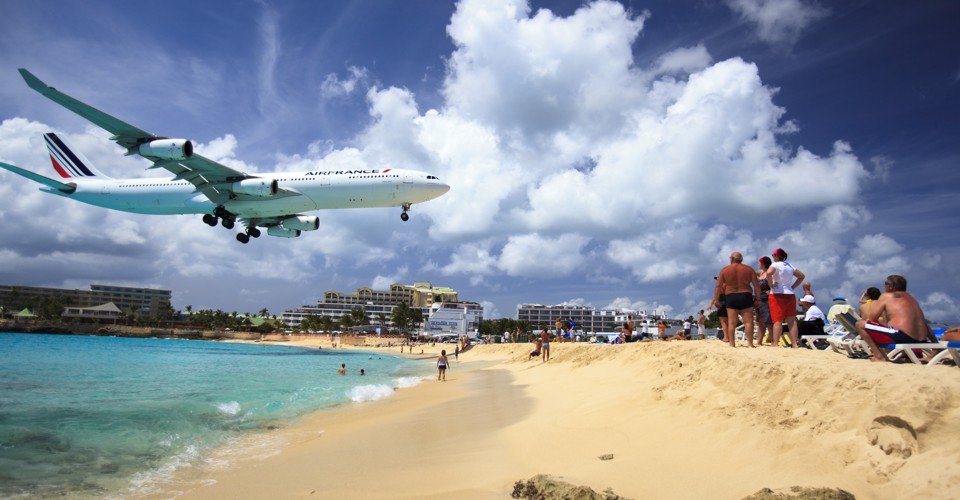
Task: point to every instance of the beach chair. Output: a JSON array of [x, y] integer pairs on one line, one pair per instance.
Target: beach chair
[[846, 340], [897, 352], [908, 352], [951, 350], [829, 331]]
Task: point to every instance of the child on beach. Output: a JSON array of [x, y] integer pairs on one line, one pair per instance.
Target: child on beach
[[442, 365], [536, 349]]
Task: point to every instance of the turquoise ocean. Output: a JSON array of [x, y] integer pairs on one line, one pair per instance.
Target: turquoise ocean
[[118, 417]]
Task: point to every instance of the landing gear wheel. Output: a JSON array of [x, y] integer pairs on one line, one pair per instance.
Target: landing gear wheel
[[227, 223], [404, 217], [243, 238], [210, 220], [253, 232]]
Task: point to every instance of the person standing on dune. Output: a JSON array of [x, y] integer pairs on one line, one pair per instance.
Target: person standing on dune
[[739, 282]]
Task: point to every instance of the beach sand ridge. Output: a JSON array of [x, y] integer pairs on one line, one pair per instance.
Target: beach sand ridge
[[678, 420]]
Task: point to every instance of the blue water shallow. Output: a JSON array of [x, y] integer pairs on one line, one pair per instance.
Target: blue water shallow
[[96, 416]]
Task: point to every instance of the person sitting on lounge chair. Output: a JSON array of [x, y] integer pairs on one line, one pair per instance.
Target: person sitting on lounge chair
[[813, 319], [905, 320]]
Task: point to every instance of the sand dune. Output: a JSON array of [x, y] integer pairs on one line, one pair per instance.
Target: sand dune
[[671, 420]]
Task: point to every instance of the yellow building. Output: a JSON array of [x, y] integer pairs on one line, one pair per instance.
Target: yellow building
[[420, 294]]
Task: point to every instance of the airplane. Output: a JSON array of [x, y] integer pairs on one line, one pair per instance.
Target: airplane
[[199, 185]]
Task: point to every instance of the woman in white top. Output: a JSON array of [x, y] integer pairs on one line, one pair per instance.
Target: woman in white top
[[783, 278]]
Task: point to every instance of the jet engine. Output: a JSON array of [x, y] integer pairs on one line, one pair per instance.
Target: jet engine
[[168, 149], [261, 188], [282, 232], [301, 222]]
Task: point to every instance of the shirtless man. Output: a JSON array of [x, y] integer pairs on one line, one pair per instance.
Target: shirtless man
[[736, 279], [905, 320], [545, 344]]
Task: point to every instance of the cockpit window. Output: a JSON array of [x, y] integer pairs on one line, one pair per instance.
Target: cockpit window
[[433, 177]]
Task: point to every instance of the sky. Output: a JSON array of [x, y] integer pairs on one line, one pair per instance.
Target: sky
[[600, 153]]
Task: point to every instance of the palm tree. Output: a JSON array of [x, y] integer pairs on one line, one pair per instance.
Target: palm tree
[[346, 322], [264, 312], [401, 317], [326, 324], [359, 316]]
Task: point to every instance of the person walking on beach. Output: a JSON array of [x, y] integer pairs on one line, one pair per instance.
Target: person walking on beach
[[736, 280], [442, 365], [456, 352], [545, 344], [783, 278]]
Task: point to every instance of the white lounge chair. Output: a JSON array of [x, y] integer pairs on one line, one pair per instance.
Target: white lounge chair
[[899, 352], [846, 340], [951, 350]]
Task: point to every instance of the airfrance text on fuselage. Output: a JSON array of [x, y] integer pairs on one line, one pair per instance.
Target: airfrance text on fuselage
[[342, 172]]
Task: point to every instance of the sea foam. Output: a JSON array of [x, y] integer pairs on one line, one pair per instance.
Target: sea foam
[[373, 392], [232, 408]]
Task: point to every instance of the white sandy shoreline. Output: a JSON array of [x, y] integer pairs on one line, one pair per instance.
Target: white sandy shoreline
[[682, 420]]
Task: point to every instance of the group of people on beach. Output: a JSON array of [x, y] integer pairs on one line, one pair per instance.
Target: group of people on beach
[[767, 296]]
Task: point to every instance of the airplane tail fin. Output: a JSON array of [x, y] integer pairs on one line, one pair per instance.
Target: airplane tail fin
[[68, 162]]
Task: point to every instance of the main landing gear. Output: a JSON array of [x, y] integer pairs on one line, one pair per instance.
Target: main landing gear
[[221, 215], [227, 220], [404, 216], [252, 232]]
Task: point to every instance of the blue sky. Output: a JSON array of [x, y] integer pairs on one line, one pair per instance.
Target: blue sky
[[601, 153]]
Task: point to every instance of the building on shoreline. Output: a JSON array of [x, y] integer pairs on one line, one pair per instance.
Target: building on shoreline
[[421, 295], [585, 318], [143, 301], [455, 318]]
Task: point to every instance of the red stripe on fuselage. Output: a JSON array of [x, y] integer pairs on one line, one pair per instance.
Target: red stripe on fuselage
[[56, 166]]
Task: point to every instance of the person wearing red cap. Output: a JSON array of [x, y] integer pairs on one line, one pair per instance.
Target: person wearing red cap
[[783, 278]]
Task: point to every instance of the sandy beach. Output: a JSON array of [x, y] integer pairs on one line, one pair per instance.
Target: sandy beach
[[680, 419]]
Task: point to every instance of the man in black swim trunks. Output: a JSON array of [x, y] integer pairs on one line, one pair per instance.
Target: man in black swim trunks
[[736, 281]]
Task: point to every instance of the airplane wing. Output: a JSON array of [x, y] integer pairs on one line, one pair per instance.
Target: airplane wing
[[213, 179]]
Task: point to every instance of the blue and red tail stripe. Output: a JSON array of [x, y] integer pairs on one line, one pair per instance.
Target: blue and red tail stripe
[[64, 161]]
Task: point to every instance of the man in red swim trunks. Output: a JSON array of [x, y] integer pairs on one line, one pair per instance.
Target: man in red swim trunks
[[905, 320]]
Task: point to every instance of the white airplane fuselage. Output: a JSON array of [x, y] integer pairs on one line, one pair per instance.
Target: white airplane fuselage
[[275, 201], [320, 190]]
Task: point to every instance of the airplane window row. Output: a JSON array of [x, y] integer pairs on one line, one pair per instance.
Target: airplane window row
[[165, 184]]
